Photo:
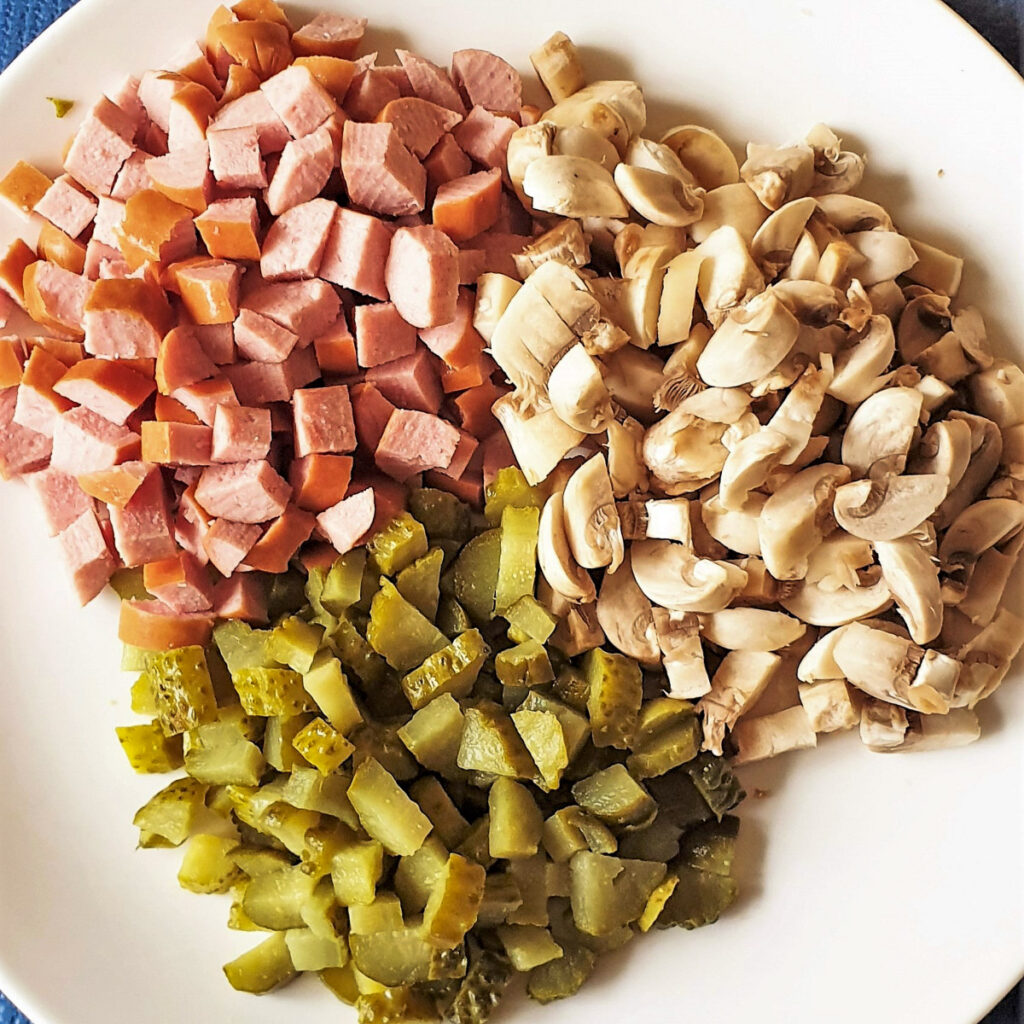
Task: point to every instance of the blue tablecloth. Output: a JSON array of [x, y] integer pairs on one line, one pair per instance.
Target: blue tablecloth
[[1001, 21]]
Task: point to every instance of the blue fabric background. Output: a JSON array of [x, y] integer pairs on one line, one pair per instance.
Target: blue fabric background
[[1001, 21]]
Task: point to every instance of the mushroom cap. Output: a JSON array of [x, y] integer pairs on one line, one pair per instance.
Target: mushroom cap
[[935, 269], [803, 264], [863, 361], [572, 186], [818, 606], [778, 174], [733, 205], [728, 277], [704, 155], [819, 663], [751, 629], [945, 448], [626, 616], [527, 144], [633, 377], [984, 525], [887, 254], [913, 579], [562, 572], [998, 393], [924, 319], [852, 213], [986, 451], [777, 238], [813, 303], [796, 417], [661, 198], [880, 663], [889, 508], [591, 520], [835, 561], [539, 439], [583, 141], [747, 467], [656, 156], [883, 427], [578, 394], [737, 529], [672, 576]]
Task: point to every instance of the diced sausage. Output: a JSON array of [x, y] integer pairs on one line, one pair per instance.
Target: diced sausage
[[457, 343], [484, 136], [472, 264], [251, 112], [258, 383], [468, 488], [12, 360], [420, 124], [109, 217], [319, 481], [306, 308], [24, 187], [61, 498], [217, 341], [133, 177], [499, 251], [38, 406], [87, 555], [241, 434], [381, 334], [236, 158], [390, 497], [357, 250], [143, 530], [262, 46], [209, 290], [244, 492], [180, 582], [191, 109], [181, 360], [369, 92], [465, 207], [305, 166], [259, 338], [204, 397], [55, 298], [497, 455], [333, 35], [445, 162], [177, 444], [100, 147], [323, 421], [152, 626], [282, 539], [170, 410], [241, 596], [184, 176], [371, 412], [472, 375], [380, 173], [413, 442], [193, 63], [299, 100], [487, 81], [21, 450], [431, 82], [106, 386], [126, 319], [422, 275], [56, 247], [84, 442], [230, 229], [226, 544], [155, 229], [336, 350], [67, 207], [335, 74], [155, 91], [465, 451], [18, 258], [410, 383], [295, 243], [346, 523], [114, 486]]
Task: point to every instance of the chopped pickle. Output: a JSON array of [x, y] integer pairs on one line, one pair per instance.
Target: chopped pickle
[[208, 865], [355, 871], [148, 749], [167, 819], [528, 619], [308, 790], [698, 899], [544, 738], [271, 691], [510, 488], [241, 646], [342, 983], [143, 700], [572, 686], [501, 899], [398, 544], [575, 727], [517, 560], [312, 952], [294, 642], [420, 583], [133, 659], [320, 844], [288, 825], [402, 956], [516, 820], [608, 892], [441, 513], [387, 813], [616, 798], [451, 617], [524, 665], [322, 913], [128, 584], [182, 689], [563, 977], [679, 801], [356, 654], [656, 903], [279, 741], [416, 876], [449, 824], [673, 746], [476, 845], [322, 746], [381, 741], [615, 693], [61, 107], [528, 946], [490, 743], [716, 783], [658, 841], [480, 992], [258, 860], [711, 846], [396, 1006], [275, 899], [531, 875], [384, 914], [658, 714], [453, 669], [222, 753], [326, 683], [286, 594], [475, 575], [403, 635], [262, 969], [237, 918], [434, 733], [343, 584], [570, 830], [454, 902]]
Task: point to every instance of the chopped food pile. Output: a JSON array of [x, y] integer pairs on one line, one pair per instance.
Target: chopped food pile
[[481, 481]]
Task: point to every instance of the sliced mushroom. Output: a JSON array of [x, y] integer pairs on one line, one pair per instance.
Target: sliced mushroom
[[835, 170], [998, 393], [924, 320], [669, 519], [732, 205], [672, 576], [633, 377], [778, 174], [591, 521], [798, 413], [890, 507], [727, 276], [835, 562], [879, 663], [821, 606], [852, 213], [935, 269], [737, 529], [740, 680], [803, 264], [938, 732], [751, 629], [969, 327], [887, 254], [640, 301], [539, 439], [579, 631], [626, 467], [656, 156], [986, 451], [529, 143], [777, 238], [757, 739], [858, 309], [614, 108], [828, 705], [681, 380], [679, 638], [567, 294], [494, 293], [883, 427], [625, 615], [558, 66], [604, 338], [913, 578], [819, 664], [580, 140], [858, 367], [748, 466], [984, 525], [678, 295], [572, 186], [529, 339], [661, 198], [838, 265], [986, 658], [562, 572], [945, 448], [988, 581], [565, 244], [813, 304], [762, 590], [704, 155], [887, 299], [577, 392], [883, 726]]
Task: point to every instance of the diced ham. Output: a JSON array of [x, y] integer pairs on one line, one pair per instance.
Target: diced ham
[[259, 338], [209, 290], [487, 81], [294, 246], [38, 406], [410, 383], [184, 176], [18, 258], [468, 488], [253, 111], [241, 434], [106, 386], [369, 92], [100, 147], [371, 412], [67, 207], [191, 109], [336, 350], [472, 375], [497, 454], [259, 383], [357, 250], [381, 334], [380, 173], [431, 82], [415, 441], [181, 360], [109, 216], [390, 497], [21, 450], [143, 530], [180, 582], [323, 421], [126, 97], [396, 74], [84, 442], [153, 626], [88, 558], [177, 444], [317, 555], [217, 341], [133, 176], [472, 263], [244, 492], [241, 597], [420, 124], [155, 229], [484, 136], [230, 229], [474, 409], [12, 358], [445, 162], [170, 410], [24, 187], [61, 498], [203, 398], [422, 276], [235, 157], [463, 455], [306, 308], [456, 343], [282, 539], [332, 35], [193, 63], [320, 481], [299, 100], [466, 207], [155, 91], [54, 297], [346, 523], [114, 486], [126, 319], [302, 172], [499, 251]]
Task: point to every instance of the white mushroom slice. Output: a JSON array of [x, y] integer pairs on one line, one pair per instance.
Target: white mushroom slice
[[751, 629], [777, 238], [813, 304], [572, 187], [938, 732], [1012, 458], [988, 581], [560, 570], [796, 417], [591, 521], [934, 393], [656, 156], [737, 529], [558, 66], [683, 653], [567, 294], [669, 519], [564, 244], [838, 265], [604, 338], [883, 427], [681, 380], [579, 631], [539, 439], [969, 327], [984, 525], [633, 377], [888, 508], [747, 467], [626, 467], [852, 213], [835, 170], [530, 323], [946, 359], [527, 144], [734, 206], [934, 684], [797, 517], [828, 706], [998, 393], [986, 451], [883, 726], [945, 448], [936, 269], [579, 140], [614, 108], [819, 664], [879, 663], [494, 292], [758, 739], [660, 198], [577, 392], [740, 680], [986, 658], [819, 606], [924, 320], [778, 174], [626, 617], [641, 295], [672, 576], [727, 277], [804, 263], [858, 309], [704, 154], [887, 254], [887, 299], [858, 367], [835, 562], [913, 579], [750, 342], [678, 295]]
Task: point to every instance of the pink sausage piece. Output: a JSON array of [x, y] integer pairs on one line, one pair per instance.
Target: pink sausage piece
[[111, 390], [100, 148], [87, 556], [485, 135], [253, 111], [299, 100], [305, 166], [306, 308], [446, 162], [21, 450], [381, 334], [133, 177], [333, 34], [143, 529], [431, 82], [244, 492], [235, 157], [184, 170], [415, 441], [357, 250], [182, 360], [464, 454], [369, 93], [203, 399], [227, 543], [67, 207], [109, 215], [217, 342], [410, 383], [126, 97], [86, 443], [259, 338], [63, 294], [259, 383], [241, 434], [177, 444], [371, 411], [192, 592], [62, 500], [420, 124], [155, 92], [294, 246], [380, 172], [346, 523], [487, 81], [323, 421], [422, 276], [240, 597]]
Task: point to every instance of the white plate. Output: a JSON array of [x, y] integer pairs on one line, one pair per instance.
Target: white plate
[[875, 889]]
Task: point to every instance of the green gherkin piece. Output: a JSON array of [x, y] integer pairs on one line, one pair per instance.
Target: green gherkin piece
[[454, 902], [326, 683], [449, 824], [275, 899], [528, 946], [167, 819], [133, 659], [143, 700], [182, 689], [258, 860], [475, 846], [356, 868], [491, 744], [308, 790], [609, 892], [384, 914], [517, 560], [356, 654], [322, 913], [208, 865], [341, 983], [516, 820], [572, 686], [271, 691], [398, 544], [402, 956], [241, 646], [501, 899], [531, 876], [658, 841], [616, 692], [488, 976], [312, 952], [616, 798], [395, 1006], [453, 669], [563, 977], [698, 899], [570, 830], [387, 813], [343, 584], [286, 593], [368, 588], [575, 726], [380, 740], [544, 738], [128, 584], [420, 583], [288, 825], [475, 575], [294, 642], [434, 733], [524, 665], [510, 488], [403, 635], [715, 782], [658, 714], [676, 744], [148, 749], [416, 876], [528, 619], [322, 746], [321, 843], [451, 617], [279, 748], [441, 513], [262, 969], [222, 753], [711, 846]]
